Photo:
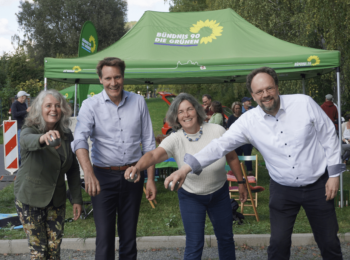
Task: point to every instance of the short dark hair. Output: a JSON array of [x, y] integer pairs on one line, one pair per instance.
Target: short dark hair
[[347, 117], [266, 70], [207, 96], [112, 62], [217, 107]]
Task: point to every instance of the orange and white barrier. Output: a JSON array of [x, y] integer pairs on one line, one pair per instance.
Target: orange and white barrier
[[10, 145]]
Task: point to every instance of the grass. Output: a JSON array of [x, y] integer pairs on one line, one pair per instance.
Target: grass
[[165, 219]]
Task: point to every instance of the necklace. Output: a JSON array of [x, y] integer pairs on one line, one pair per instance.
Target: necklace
[[194, 140]]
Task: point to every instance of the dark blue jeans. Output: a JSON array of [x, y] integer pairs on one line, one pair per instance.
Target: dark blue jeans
[[193, 211]]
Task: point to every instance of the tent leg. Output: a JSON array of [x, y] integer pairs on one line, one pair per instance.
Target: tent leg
[[340, 134], [75, 98], [45, 84]]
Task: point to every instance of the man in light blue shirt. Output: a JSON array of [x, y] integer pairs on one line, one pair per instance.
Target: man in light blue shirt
[[117, 122]]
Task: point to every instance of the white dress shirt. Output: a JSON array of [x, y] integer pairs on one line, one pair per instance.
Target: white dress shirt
[[297, 144]]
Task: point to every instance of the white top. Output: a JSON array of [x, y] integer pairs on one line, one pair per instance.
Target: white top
[[212, 177], [297, 144], [346, 133]]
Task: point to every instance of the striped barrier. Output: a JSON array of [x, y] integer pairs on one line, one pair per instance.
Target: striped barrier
[[10, 145]]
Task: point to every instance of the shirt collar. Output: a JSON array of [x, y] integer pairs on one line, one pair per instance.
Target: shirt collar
[[105, 96], [282, 109]]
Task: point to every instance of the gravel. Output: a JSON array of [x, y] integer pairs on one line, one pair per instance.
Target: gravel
[[242, 252]]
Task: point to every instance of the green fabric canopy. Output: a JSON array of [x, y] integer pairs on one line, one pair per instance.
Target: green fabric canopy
[[92, 90], [196, 47]]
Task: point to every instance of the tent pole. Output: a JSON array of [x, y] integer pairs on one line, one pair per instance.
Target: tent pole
[[45, 84], [303, 82], [75, 97], [340, 134]]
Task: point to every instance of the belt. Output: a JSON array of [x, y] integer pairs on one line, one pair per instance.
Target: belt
[[117, 168]]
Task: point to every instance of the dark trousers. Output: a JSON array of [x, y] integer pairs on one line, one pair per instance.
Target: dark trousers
[[193, 209], [117, 196], [247, 151], [284, 206]]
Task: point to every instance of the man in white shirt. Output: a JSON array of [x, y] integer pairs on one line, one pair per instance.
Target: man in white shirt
[[300, 146]]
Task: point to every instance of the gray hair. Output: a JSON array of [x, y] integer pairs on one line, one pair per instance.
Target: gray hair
[[171, 115], [35, 117]]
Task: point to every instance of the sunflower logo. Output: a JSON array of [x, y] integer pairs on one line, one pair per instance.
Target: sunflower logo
[[66, 95], [76, 69], [92, 39], [316, 60], [216, 30], [92, 94]]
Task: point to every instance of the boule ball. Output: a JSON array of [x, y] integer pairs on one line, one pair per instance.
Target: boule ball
[[134, 179], [176, 185], [54, 142]]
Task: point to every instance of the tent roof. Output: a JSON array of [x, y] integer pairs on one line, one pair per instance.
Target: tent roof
[[196, 47]]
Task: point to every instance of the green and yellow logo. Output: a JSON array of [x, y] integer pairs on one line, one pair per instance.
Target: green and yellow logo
[[92, 94], [66, 95], [216, 30], [76, 69], [315, 59]]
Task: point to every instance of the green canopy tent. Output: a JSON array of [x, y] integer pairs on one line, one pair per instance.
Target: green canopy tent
[[198, 47]]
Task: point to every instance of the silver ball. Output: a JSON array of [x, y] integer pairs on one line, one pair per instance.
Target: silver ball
[[176, 185], [132, 180], [54, 142]]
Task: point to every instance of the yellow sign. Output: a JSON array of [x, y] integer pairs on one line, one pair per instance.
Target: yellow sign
[[92, 39]]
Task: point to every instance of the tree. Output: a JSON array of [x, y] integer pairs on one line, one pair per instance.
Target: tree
[[53, 27]]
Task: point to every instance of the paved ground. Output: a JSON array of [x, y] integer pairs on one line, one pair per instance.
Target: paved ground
[[243, 252], [6, 180]]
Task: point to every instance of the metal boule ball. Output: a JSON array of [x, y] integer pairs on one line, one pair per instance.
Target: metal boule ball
[[132, 180], [176, 185], [54, 142]]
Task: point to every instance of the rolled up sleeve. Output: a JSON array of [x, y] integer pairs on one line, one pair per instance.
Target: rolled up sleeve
[[85, 123], [147, 136]]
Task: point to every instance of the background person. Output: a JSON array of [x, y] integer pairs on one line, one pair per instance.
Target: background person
[[236, 108], [345, 127], [217, 117], [247, 104], [302, 155], [117, 122], [40, 188], [206, 99], [19, 111], [331, 110], [207, 193]]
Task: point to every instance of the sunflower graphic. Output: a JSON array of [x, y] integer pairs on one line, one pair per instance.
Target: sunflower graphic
[[315, 58], [76, 69], [216, 30], [92, 94], [66, 95]]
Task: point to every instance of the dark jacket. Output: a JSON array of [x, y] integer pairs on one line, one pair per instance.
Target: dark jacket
[[40, 177], [19, 112], [331, 110]]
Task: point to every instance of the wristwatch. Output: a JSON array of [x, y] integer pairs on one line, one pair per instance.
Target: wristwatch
[[241, 182]]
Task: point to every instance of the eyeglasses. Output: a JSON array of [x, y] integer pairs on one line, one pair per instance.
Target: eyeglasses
[[269, 90]]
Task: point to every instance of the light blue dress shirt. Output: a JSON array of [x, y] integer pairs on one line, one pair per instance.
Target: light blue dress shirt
[[116, 132]]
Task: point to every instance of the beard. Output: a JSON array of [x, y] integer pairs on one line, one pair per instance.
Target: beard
[[271, 108]]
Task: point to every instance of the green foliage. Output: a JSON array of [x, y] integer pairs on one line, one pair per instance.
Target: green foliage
[[53, 27]]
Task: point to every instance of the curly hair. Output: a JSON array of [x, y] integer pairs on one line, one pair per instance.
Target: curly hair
[[266, 70], [35, 117], [171, 115]]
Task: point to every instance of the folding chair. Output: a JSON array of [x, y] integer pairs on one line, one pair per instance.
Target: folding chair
[[251, 179]]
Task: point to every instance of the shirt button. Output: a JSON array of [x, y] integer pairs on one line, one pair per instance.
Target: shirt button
[[123, 141], [276, 119], [297, 177], [120, 118], [281, 132], [289, 155], [293, 167], [124, 153], [121, 130], [285, 144]]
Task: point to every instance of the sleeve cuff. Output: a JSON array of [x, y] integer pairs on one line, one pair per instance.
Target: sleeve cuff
[[336, 170], [193, 163], [78, 144]]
